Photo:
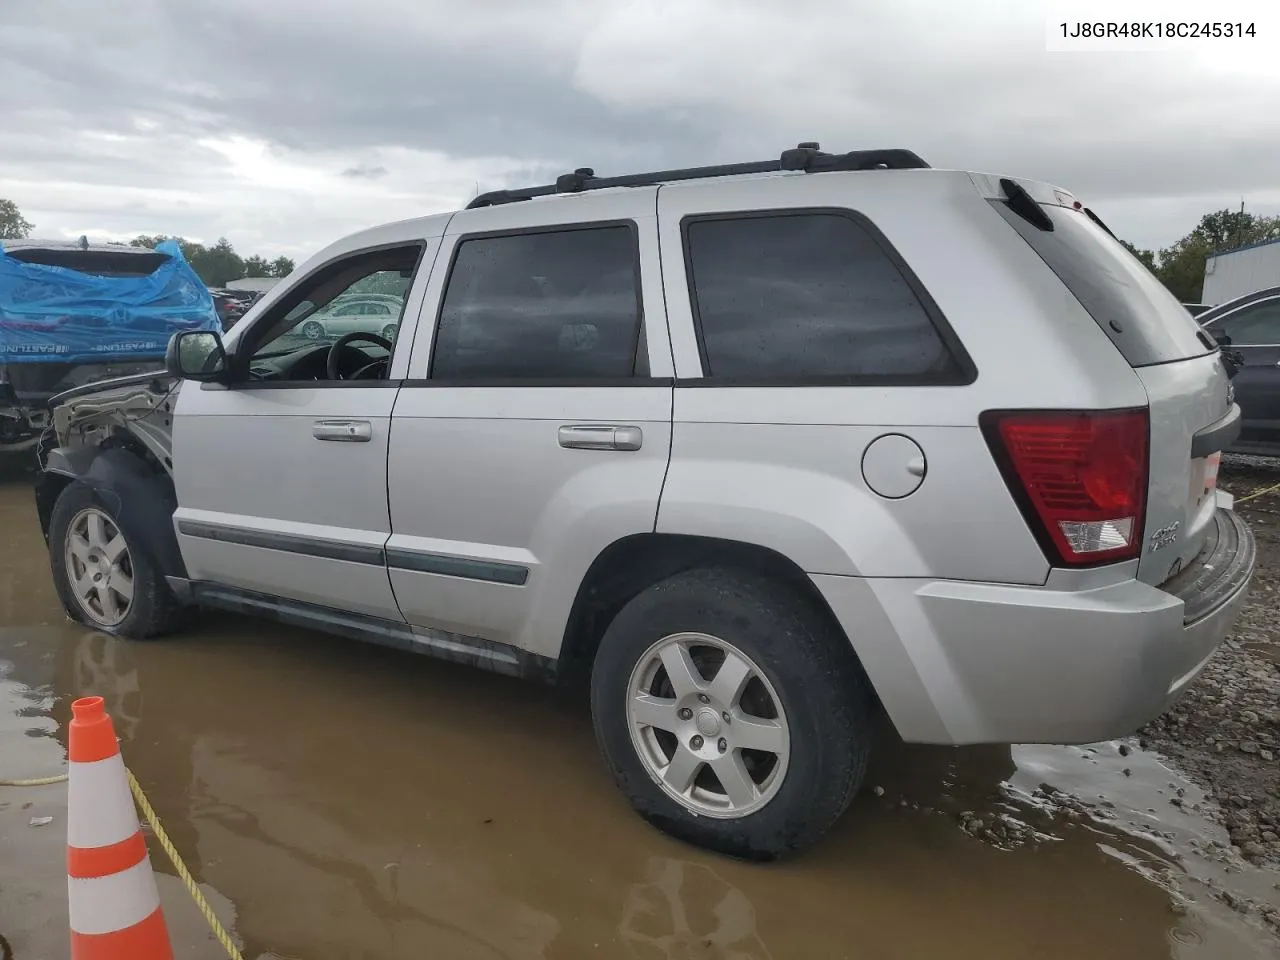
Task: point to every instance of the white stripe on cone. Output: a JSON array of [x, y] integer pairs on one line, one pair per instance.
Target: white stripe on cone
[[101, 807], [108, 904]]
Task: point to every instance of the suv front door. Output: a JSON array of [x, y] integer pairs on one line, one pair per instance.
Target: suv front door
[[535, 428], [281, 474]]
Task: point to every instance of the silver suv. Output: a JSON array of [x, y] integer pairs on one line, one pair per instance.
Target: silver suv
[[763, 450]]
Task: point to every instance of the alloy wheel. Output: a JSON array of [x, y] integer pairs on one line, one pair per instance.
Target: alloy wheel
[[99, 567], [708, 725]]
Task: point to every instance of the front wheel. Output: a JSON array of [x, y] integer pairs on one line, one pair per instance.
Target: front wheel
[[105, 580], [732, 712], [313, 330]]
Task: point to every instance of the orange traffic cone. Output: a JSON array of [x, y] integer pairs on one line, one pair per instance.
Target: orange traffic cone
[[115, 908]]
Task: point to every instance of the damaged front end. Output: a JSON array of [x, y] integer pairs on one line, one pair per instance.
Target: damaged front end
[[134, 413], [115, 437]]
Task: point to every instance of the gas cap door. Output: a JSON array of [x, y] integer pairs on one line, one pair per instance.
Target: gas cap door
[[893, 466]]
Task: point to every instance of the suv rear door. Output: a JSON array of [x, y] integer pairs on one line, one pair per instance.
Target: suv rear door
[[535, 427]]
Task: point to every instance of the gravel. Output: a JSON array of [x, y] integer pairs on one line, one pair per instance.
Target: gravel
[[1225, 731]]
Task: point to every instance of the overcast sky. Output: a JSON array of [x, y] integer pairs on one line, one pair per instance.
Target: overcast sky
[[282, 124]]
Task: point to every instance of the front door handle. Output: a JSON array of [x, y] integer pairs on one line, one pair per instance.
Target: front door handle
[[343, 431], [601, 436]]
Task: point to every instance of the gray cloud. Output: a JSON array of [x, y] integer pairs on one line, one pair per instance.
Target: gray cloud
[[145, 115]]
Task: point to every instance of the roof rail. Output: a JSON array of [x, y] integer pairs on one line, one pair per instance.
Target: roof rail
[[806, 157]]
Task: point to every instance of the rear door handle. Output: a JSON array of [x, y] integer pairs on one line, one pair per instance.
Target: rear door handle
[[601, 436], [343, 431]]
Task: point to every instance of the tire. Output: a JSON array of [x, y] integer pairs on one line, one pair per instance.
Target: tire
[[151, 611], [313, 330], [389, 332], [800, 658]]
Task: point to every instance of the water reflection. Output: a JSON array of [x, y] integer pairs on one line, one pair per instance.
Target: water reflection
[[686, 910]]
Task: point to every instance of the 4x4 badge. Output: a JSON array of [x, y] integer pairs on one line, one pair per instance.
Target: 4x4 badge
[[1165, 536]]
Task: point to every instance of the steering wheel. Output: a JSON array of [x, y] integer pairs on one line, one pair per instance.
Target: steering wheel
[[335, 351]]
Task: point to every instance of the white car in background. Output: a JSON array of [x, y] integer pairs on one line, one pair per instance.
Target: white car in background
[[366, 313]]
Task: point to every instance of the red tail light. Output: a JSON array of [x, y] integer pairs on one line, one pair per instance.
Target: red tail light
[[1079, 477]]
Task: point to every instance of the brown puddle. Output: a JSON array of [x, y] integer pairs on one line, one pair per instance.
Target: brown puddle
[[348, 801]]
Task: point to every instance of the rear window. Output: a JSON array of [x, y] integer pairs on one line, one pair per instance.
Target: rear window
[[1144, 320], [103, 263]]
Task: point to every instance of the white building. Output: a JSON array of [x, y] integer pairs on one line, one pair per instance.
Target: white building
[[253, 284], [1233, 273]]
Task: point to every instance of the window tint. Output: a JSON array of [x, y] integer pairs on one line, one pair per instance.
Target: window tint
[[1256, 325], [555, 304], [1144, 320], [807, 295]]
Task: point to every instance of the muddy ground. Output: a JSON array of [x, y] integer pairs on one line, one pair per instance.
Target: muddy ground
[[1225, 733], [337, 800]]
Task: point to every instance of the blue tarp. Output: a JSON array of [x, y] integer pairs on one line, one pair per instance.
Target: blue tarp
[[58, 315]]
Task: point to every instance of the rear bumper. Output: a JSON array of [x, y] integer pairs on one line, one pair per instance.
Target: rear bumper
[[957, 662]]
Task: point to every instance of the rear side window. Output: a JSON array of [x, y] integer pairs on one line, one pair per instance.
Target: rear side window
[[1257, 325], [810, 296], [554, 304], [1144, 320]]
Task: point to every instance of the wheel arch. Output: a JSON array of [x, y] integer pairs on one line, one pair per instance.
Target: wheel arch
[[632, 564], [142, 499]]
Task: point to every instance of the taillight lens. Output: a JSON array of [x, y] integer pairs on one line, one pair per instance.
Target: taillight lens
[[1079, 477]]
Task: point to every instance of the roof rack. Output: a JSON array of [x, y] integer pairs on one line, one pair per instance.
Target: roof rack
[[806, 157]]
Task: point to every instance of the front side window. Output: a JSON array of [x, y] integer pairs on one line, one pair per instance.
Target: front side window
[[1257, 325], [294, 340], [808, 296], [553, 304]]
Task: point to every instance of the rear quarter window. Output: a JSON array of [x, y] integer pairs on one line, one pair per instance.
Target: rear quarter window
[[812, 296], [1143, 319]]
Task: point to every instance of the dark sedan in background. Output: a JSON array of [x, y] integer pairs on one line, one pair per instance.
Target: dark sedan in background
[[1249, 326]]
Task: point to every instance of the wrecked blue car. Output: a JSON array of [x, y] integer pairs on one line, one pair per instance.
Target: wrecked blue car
[[73, 313]]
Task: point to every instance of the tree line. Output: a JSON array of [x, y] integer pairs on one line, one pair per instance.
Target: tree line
[[219, 264], [1179, 266], [215, 265]]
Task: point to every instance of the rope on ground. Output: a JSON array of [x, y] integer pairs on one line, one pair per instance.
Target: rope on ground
[[149, 813], [35, 782], [1258, 493]]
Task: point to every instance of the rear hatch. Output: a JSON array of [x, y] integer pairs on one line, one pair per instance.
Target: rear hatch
[[1190, 398]]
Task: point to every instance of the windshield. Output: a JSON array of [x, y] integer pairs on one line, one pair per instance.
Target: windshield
[[1144, 320]]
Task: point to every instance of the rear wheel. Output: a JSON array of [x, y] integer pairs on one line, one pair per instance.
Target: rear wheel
[[389, 332], [732, 712], [103, 579], [313, 330]]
